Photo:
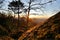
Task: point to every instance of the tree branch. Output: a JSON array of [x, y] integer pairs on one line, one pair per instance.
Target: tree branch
[[43, 3]]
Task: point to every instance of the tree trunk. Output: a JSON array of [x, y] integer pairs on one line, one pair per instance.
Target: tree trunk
[[28, 18], [28, 14], [18, 13]]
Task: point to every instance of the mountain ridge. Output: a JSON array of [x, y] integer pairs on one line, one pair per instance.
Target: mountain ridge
[[50, 30]]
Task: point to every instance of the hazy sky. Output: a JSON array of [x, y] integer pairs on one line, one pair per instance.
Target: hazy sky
[[49, 9]]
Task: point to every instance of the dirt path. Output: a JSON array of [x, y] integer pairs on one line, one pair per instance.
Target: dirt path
[[29, 31]]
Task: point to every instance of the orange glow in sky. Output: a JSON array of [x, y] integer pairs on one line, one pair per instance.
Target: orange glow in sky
[[37, 16]]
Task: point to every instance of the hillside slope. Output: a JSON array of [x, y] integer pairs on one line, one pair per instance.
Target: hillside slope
[[50, 30], [9, 26]]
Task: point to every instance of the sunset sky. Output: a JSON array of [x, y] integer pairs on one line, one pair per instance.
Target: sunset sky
[[48, 9]]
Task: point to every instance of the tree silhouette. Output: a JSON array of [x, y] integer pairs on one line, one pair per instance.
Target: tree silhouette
[[34, 5], [16, 6]]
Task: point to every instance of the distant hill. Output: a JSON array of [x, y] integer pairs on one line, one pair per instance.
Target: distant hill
[[50, 30], [38, 20]]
